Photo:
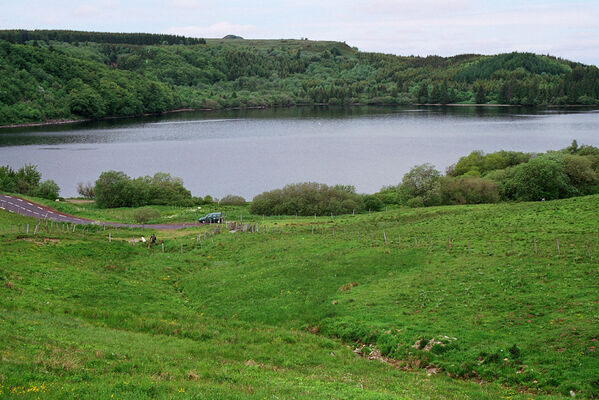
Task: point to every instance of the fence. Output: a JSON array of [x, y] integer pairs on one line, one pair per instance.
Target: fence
[[388, 239]]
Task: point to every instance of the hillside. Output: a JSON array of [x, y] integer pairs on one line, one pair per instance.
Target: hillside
[[484, 302], [49, 75]]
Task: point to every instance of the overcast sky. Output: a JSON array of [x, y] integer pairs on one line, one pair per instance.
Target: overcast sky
[[568, 29]]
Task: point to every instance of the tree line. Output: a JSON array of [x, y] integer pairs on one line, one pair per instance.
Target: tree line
[[119, 75], [23, 36]]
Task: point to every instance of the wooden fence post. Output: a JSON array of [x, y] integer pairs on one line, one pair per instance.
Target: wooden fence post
[[109, 237], [385, 237], [163, 247]]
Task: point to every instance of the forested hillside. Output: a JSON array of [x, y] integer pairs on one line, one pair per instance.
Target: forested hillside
[[46, 75]]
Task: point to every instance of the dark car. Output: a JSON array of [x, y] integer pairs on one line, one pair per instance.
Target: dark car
[[212, 218]]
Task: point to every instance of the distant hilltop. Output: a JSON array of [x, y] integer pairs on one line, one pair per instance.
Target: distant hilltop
[[64, 75]]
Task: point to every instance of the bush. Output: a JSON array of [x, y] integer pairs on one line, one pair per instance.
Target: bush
[[421, 182], [580, 172], [468, 190], [306, 199], [27, 181], [542, 177], [143, 215], [47, 190], [208, 199], [86, 191], [112, 189], [116, 189], [232, 200], [8, 179], [388, 195], [372, 203], [478, 164]]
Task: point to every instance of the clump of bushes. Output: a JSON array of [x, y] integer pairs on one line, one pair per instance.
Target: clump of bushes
[[27, 180], [468, 190], [116, 189], [501, 176], [232, 200], [308, 198]]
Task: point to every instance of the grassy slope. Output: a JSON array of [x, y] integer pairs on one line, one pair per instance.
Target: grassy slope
[[232, 318]]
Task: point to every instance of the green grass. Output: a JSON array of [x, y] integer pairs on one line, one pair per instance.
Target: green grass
[[276, 314]]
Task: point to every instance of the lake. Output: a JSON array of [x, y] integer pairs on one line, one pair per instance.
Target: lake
[[246, 152]]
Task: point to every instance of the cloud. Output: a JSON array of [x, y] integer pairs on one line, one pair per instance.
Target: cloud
[[218, 29], [86, 11], [187, 4], [400, 8]]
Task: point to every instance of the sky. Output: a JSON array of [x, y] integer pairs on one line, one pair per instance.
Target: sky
[[563, 28]]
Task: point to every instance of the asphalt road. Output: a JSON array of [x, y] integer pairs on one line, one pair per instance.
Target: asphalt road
[[25, 207]]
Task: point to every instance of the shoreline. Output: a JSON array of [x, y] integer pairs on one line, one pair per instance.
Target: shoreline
[[58, 122]]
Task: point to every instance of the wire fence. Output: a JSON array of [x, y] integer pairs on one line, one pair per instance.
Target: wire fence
[[521, 244]]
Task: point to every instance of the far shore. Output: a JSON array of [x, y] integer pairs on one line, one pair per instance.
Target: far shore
[[57, 122]]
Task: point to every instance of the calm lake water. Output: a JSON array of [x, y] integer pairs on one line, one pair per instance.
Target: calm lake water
[[248, 152]]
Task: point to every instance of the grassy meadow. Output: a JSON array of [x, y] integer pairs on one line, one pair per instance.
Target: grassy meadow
[[431, 303]]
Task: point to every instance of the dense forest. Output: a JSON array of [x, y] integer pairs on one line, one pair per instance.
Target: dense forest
[[50, 75]]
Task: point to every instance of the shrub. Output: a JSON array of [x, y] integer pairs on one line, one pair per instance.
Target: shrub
[[47, 190], [27, 181], [372, 203], [388, 195], [478, 164], [8, 179], [541, 178], [113, 189], [116, 189], [164, 189], [85, 190], [580, 171], [468, 190], [145, 214], [232, 200], [306, 199], [421, 182]]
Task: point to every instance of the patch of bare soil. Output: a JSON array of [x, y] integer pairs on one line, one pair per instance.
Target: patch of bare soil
[[79, 201], [38, 241]]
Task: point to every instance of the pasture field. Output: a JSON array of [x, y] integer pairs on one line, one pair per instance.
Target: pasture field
[[432, 303]]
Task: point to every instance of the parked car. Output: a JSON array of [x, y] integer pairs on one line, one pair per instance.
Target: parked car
[[212, 218]]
